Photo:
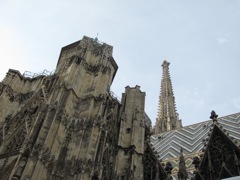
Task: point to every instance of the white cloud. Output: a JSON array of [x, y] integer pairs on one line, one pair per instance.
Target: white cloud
[[222, 40]]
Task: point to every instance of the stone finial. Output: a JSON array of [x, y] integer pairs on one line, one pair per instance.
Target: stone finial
[[165, 63], [196, 162], [181, 151], [214, 116], [168, 168], [182, 173]]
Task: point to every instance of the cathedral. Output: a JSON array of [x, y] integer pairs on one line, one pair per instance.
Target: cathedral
[[69, 125]]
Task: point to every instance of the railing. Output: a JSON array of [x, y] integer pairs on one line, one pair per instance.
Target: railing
[[42, 73], [115, 96]]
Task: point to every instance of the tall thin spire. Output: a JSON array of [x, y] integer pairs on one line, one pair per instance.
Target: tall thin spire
[[182, 170], [167, 118]]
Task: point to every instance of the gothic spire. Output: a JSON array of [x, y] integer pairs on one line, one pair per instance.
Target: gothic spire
[[167, 118]]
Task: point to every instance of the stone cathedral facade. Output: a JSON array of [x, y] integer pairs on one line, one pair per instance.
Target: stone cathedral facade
[[68, 125]]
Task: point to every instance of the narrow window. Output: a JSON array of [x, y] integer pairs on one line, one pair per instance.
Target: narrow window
[[128, 130]]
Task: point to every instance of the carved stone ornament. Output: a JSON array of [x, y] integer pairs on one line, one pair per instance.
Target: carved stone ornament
[[97, 121], [37, 149], [45, 156], [96, 68], [196, 162], [85, 43], [213, 115], [108, 50], [20, 168], [14, 96], [168, 168], [16, 141]]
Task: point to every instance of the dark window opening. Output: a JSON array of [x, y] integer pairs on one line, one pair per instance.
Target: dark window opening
[[128, 130]]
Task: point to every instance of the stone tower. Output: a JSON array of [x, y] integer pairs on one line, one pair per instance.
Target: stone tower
[[69, 125], [131, 136], [167, 118]]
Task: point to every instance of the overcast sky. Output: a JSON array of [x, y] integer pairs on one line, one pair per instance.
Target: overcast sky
[[200, 38]]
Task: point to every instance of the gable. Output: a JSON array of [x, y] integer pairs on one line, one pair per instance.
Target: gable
[[191, 139], [221, 156]]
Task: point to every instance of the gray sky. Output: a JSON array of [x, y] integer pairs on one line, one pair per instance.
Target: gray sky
[[200, 39]]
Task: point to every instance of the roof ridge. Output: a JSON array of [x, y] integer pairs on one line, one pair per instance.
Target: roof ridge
[[220, 118]]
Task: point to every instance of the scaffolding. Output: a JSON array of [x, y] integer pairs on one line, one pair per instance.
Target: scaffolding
[[45, 72]]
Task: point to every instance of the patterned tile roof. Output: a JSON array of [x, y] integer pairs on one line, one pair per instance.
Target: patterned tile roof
[[191, 139]]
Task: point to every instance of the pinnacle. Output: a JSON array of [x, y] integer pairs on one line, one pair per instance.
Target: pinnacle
[[167, 115]]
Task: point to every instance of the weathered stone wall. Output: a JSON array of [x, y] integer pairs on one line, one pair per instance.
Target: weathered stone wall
[[132, 134], [15, 91], [88, 67], [68, 125]]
